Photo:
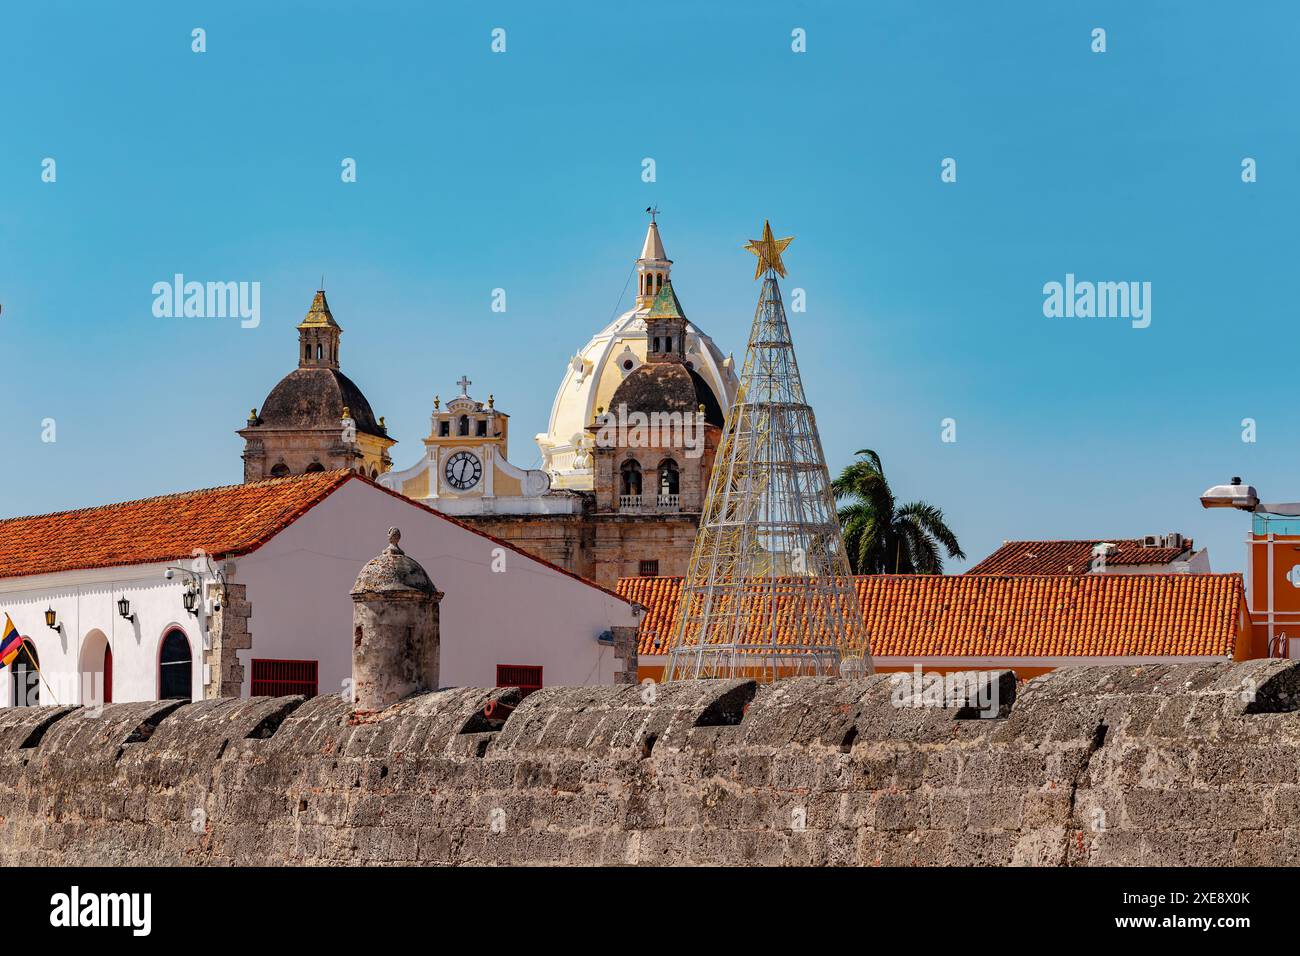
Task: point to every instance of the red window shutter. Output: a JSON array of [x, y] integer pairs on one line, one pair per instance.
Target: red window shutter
[[272, 678], [526, 677]]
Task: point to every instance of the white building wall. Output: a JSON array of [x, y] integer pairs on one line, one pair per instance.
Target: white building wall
[[86, 603], [299, 583]]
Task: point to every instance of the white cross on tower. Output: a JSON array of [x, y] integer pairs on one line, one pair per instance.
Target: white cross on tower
[[464, 384]]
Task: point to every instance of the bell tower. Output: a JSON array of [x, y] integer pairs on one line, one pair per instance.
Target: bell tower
[[318, 336], [653, 267]]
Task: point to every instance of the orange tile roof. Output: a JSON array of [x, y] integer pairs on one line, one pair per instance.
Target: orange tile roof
[[1097, 615], [221, 521], [1072, 557]]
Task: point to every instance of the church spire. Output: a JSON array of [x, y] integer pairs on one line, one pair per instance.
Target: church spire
[[653, 267], [318, 336]]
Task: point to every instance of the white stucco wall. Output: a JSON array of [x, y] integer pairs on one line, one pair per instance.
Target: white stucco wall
[[299, 583], [86, 603]]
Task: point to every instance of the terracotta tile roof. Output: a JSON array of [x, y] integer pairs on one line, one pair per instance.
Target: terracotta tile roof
[[961, 615], [230, 520], [221, 521], [1072, 557]]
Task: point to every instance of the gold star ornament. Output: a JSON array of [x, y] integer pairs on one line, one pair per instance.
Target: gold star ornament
[[768, 251]]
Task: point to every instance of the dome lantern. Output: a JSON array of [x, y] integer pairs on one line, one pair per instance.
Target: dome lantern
[[653, 267], [318, 336]]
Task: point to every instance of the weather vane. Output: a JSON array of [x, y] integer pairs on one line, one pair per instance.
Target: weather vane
[[653, 211]]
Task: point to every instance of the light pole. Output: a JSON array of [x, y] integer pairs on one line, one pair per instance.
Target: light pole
[[1245, 498]]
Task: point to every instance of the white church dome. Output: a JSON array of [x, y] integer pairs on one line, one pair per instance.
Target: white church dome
[[599, 367]]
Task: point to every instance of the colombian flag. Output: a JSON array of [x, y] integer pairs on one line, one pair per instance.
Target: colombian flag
[[10, 643]]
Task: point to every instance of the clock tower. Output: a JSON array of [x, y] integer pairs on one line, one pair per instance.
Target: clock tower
[[464, 470]]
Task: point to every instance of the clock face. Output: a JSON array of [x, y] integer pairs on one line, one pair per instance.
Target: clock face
[[463, 470]]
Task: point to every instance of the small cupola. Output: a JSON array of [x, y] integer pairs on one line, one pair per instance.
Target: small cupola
[[318, 336], [653, 267]]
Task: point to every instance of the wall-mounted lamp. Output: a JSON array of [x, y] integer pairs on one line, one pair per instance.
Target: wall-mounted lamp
[[124, 609], [193, 577], [52, 620]]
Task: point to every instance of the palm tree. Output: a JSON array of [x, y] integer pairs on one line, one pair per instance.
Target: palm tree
[[883, 538]]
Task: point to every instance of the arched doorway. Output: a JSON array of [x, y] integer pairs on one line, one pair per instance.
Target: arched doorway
[[96, 668], [25, 678], [175, 667]]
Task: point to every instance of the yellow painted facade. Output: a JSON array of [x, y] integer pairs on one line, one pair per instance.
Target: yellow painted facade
[[465, 469]]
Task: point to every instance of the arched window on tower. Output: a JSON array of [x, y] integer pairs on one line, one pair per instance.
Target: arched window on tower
[[631, 474], [462, 428], [279, 470], [319, 353], [24, 676], [313, 467], [175, 667], [669, 482], [659, 281]]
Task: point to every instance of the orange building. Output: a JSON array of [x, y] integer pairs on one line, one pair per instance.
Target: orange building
[[1273, 583], [1028, 623]]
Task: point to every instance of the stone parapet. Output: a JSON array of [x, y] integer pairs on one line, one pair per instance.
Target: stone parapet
[[1194, 764]]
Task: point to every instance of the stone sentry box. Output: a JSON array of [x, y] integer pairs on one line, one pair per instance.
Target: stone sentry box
[[395, 638]]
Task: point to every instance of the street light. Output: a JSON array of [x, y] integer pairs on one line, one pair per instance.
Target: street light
[[191, 600], [1262, 598], [124, 609], [51, 620], [1232, 495]]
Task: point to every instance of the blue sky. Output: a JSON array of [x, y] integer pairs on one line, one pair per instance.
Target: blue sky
[[522, 171]]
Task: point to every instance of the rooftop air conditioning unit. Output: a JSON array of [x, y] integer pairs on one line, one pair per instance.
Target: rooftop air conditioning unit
[[1151, 541], [1173, 540]]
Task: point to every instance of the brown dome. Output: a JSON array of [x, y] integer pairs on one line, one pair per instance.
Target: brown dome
[[315, 398], [667, 387]]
